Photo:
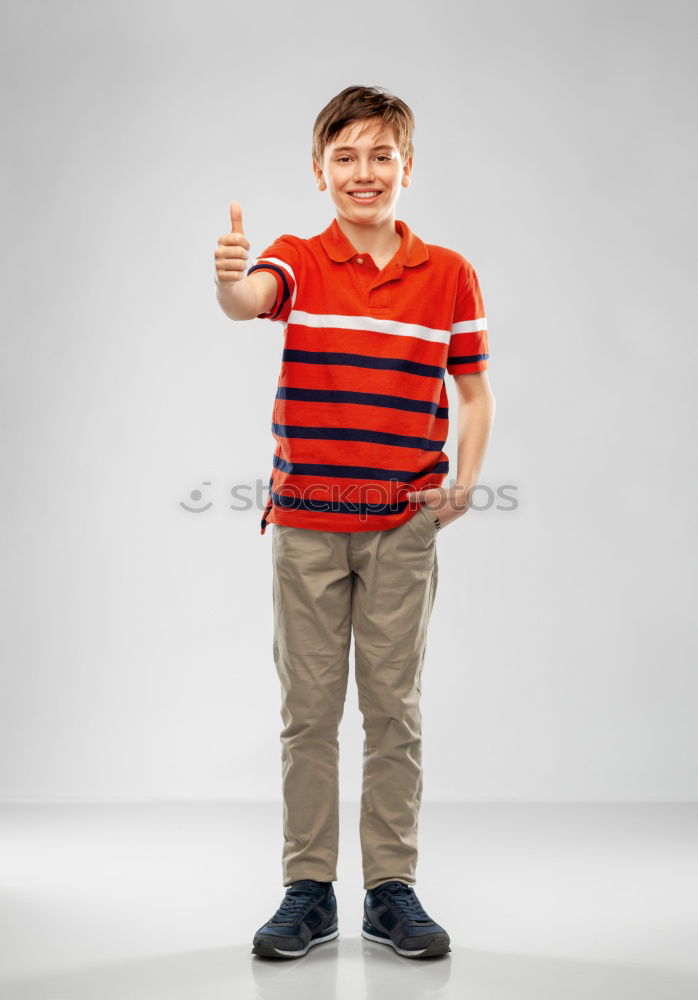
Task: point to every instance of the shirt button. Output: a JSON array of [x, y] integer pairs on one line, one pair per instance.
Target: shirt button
[[359, 260]]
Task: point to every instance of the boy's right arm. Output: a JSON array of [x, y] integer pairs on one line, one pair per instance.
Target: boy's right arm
[[240, 296], [248, 297]]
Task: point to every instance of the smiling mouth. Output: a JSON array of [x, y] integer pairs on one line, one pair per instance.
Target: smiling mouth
[[364, 196]]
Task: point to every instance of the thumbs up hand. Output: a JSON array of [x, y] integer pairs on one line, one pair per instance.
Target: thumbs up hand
[[232, 251]]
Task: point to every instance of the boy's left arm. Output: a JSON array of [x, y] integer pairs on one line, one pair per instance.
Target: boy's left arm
[[476, 407]]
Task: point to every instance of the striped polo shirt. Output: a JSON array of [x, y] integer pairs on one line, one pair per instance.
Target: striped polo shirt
[[360, 416]]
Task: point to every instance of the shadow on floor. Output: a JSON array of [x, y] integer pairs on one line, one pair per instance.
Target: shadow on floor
[[353, 969]]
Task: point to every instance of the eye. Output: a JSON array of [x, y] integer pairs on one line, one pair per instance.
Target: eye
[[381, 156]]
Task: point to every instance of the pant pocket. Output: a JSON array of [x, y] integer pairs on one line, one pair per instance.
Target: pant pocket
[[431, 516]]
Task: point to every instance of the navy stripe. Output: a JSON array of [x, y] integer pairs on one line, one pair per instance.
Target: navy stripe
[[365, 398], [335, 507], [354, 471], [362, 361], [465, 359], [356, 434], [279, 270]]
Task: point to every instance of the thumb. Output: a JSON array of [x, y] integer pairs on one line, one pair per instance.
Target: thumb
[[236, 218]]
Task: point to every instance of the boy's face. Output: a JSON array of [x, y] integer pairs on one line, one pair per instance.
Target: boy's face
[[367, 162]]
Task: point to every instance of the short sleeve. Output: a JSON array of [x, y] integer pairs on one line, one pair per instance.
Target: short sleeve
[[468, 346], [280, 258]]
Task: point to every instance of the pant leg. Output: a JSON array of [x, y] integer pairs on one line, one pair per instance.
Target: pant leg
[[396, 575], [312, 635]]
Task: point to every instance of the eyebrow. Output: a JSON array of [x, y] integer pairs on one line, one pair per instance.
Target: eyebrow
[[352, 148]]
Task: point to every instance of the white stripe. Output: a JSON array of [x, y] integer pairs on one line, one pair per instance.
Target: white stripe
[[387, 326], [369, 324], [470, 325], [276, 260]]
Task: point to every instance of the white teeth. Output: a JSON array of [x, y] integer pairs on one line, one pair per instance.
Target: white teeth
[[371, 194]]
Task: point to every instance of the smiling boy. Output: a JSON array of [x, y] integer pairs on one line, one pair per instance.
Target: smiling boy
[[373, 318]]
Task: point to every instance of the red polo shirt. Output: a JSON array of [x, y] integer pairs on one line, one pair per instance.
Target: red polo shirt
[[360, 416]]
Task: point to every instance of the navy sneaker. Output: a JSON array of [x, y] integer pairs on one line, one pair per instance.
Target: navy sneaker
[[393, 915], [307, 916]]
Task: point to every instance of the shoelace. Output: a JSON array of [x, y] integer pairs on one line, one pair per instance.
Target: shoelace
[[294, 904], [405, 898]]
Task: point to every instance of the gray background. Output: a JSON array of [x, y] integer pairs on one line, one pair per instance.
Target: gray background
[[554, 148]]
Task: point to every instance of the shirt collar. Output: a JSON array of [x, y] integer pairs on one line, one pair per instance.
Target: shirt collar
[[410, 252]]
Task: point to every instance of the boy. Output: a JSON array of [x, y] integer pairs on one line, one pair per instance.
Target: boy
[[373, 318]]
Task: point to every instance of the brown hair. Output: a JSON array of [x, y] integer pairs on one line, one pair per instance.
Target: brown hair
[[356, 103]]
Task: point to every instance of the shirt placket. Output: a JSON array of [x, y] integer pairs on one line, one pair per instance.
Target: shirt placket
[[377, 284]]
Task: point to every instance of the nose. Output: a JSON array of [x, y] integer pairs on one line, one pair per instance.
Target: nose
[[363, 171]]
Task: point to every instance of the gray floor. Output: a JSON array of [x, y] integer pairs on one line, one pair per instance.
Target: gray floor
[[136, 901]]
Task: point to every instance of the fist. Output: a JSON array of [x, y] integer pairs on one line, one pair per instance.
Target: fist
[[232, 250]]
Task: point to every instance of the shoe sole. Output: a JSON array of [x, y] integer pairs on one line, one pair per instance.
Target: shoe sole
[[266, 947], [439, 946]]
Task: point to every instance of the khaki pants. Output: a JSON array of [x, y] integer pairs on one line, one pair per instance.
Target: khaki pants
[[382, 585]]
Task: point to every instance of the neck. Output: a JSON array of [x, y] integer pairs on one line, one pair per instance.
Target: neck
[[379, 240]]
